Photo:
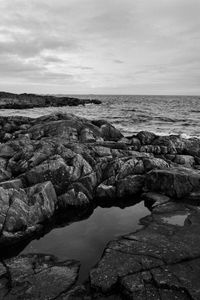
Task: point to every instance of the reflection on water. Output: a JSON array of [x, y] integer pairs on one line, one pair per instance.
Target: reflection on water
[[176, 220], [85, 240]]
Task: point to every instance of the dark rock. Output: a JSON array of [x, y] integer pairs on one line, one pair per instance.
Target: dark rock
[[192, 147], [186, 160], [4, 174], [130, 185], [193, 198], [104, 192], [153, 199], [24, 101], [154, 163], [146, 138], [135, 143], [174, 143], [173, 182], [6, 151], [110, 133], [36, 276]]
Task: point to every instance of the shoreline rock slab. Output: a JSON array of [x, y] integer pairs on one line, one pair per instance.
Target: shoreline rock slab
[[36, 276], [160, 261]]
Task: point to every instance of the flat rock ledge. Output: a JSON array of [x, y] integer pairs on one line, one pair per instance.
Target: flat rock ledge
[[162, 261], [59, 162], [36, 276]]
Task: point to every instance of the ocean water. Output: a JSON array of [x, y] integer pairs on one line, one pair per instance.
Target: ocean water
[[130, 114]]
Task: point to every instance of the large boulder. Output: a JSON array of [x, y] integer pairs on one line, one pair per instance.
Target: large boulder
[[174, 143], [6, 151], [173, 182], [110, 133], [130, 167], [55, 170], [129, 186], [154, 163], [146, 137], [186, 160], [42, 201], [104, 192], [22, 210]]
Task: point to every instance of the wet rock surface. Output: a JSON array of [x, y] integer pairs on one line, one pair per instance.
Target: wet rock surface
[[60, 162], [24, 101]]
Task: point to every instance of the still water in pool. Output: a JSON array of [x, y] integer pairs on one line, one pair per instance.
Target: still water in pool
[[85, 240]]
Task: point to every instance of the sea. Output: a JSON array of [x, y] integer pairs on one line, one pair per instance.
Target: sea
[[132, 113]]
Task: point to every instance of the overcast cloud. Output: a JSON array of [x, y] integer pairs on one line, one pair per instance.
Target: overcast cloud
[[100, 46]]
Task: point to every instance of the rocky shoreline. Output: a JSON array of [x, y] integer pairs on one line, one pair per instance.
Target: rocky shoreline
[[56, 163], [25, 101]]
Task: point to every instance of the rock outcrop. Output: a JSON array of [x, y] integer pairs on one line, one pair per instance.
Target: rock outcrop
[[24, 101], [60, 162], [36, 276], [159, 262]]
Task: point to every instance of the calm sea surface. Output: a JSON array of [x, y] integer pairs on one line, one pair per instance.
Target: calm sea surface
[[159, 114]]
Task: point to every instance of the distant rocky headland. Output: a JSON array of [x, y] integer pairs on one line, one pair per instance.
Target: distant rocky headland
[[53, 164], [24, 101]]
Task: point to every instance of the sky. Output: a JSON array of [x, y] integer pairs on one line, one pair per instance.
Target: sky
[[100, 46]]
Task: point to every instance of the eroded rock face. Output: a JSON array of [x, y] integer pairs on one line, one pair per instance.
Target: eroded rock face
[[23, 211], [36, 276]]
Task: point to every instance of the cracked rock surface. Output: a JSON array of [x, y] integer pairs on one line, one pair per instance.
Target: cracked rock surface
[[161, 261], [36, 276]]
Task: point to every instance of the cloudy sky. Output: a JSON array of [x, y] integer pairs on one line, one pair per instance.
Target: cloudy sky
[[100, 46]]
